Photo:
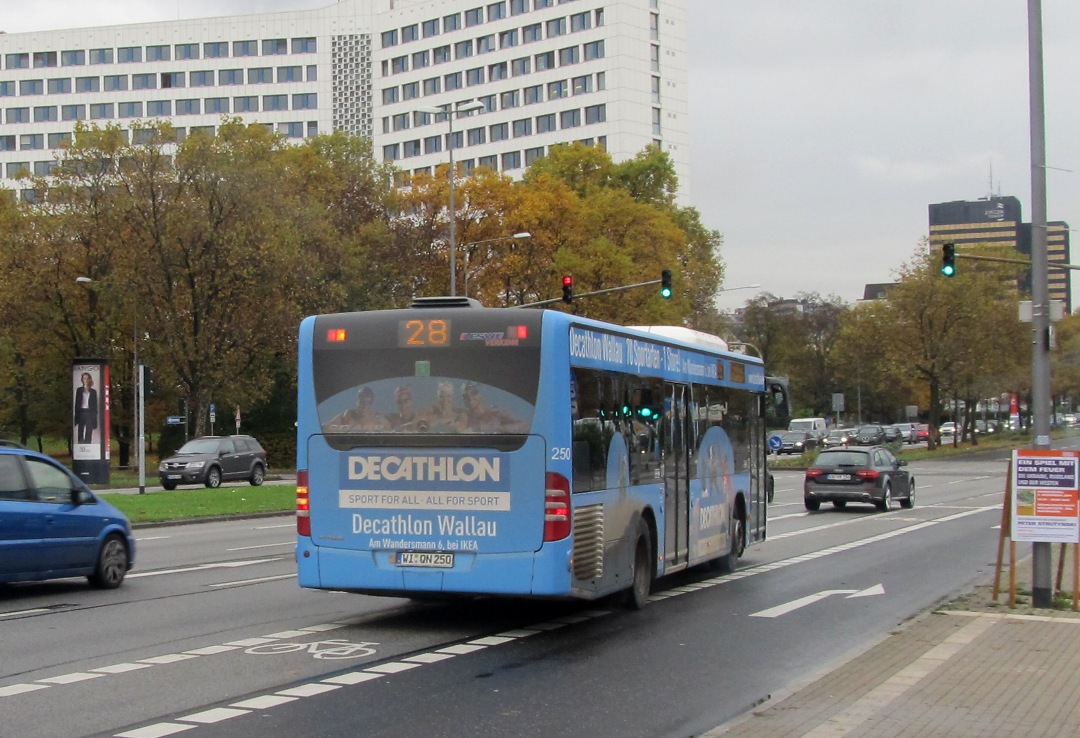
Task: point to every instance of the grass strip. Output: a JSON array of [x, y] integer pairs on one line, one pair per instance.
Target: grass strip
[[187, 504]]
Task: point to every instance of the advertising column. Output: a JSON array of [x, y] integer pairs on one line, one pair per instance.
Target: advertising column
[[90, 420]]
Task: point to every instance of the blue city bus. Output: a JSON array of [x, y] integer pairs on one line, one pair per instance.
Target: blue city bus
[[452, 449]]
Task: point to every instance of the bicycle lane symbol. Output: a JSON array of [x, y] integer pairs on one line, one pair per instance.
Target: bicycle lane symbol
[[330, 649]]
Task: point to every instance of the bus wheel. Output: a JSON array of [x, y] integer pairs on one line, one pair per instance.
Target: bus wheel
[[729, 562], [642, 574]]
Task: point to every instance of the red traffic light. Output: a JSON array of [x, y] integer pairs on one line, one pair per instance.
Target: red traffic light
[[567, 288]]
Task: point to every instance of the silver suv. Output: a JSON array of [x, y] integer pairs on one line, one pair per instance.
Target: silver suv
[[210, 460]]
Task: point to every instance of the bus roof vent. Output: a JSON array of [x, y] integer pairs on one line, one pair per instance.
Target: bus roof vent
[[445, 302]]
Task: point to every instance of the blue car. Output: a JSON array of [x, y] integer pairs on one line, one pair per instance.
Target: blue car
[[52, 525]]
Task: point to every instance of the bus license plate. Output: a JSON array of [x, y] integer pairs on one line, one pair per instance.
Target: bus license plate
[[840, 477], [422, 558]]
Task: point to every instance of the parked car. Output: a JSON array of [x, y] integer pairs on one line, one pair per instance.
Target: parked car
[[53, 526], [210, 460], [871, 475], [838, 437], [869, 435], [795, 442]]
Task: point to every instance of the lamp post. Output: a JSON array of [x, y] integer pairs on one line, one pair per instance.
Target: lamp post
[[465, 247], [450, 112], [137, 430]]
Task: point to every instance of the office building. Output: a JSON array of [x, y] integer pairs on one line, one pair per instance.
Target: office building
[[606, 72]]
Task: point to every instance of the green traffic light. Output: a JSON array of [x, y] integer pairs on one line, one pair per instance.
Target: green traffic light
[[665, 284], [948, 259]]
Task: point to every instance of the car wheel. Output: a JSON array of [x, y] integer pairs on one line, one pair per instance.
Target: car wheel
[[812, 505], [839, 504], [886, 499], [257, 475], [213, 477], [169, 485], [909, 502], [112, 564], [641, 575], [729, 562]]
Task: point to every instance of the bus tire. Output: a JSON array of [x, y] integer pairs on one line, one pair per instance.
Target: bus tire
[[643, 568], [729, 562]]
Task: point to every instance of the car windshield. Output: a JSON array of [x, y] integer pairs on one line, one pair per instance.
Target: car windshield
[[794, 436], [842, 458], [200, 446], [868, 429], [837, 433]]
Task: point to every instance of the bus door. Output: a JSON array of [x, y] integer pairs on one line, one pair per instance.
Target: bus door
[[674, 427], [759, 479]]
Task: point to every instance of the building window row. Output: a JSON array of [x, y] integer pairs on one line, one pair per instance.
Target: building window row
[[160, 52], [36, 141], [495, 12], [507, 160], [480, 45], [530, 95], [546, 123], [162, 80], [159, 108]]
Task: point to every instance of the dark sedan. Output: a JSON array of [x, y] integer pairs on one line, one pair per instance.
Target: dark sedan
[[795, 442], [869, 475], [869, 435]]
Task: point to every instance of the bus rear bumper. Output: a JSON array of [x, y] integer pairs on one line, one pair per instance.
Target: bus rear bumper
[[539, 574]]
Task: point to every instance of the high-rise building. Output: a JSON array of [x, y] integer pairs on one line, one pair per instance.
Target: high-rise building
[[611, 73], [997, 221]]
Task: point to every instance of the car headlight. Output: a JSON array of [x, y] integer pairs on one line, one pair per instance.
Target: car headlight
[[196, 464], [161, 467], [798, 444]]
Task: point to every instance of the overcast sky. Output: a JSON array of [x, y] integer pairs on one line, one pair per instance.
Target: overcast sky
[[821, 130]]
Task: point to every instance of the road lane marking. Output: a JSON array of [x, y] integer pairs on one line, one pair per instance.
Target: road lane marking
[[257, 580], [205, 567], [262, 545], [785, 608]]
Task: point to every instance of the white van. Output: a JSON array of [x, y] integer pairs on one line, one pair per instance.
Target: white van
[[817, 426]]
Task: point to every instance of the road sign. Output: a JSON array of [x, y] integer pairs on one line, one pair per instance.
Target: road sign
[[776, 442], [175, 420]]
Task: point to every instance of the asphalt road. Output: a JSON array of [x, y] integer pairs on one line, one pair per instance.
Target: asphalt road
[[211, 637]]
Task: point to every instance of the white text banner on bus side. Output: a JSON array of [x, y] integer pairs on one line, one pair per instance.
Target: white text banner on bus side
[[405, 500], [622, 353]]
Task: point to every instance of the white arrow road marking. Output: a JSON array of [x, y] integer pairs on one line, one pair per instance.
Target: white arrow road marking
[[784, 609]]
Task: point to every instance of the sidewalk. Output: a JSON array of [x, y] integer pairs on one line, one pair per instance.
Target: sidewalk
[[971, 667]]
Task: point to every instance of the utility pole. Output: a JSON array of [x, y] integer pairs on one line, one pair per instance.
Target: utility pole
[[1041, 590]]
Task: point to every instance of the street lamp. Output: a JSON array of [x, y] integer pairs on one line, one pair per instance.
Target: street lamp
[[465, 247], [450, 112]]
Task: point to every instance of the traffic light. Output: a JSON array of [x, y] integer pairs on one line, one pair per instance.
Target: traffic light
[[568, 289], [948, 259], [665, 284]]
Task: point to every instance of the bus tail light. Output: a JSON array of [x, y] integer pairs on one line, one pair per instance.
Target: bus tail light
[[556, 507], [303, 504]]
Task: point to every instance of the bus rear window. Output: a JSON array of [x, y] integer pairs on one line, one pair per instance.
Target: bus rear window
[[448, 391]]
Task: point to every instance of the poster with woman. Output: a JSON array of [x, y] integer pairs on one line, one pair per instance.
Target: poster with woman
[[88, 411]]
